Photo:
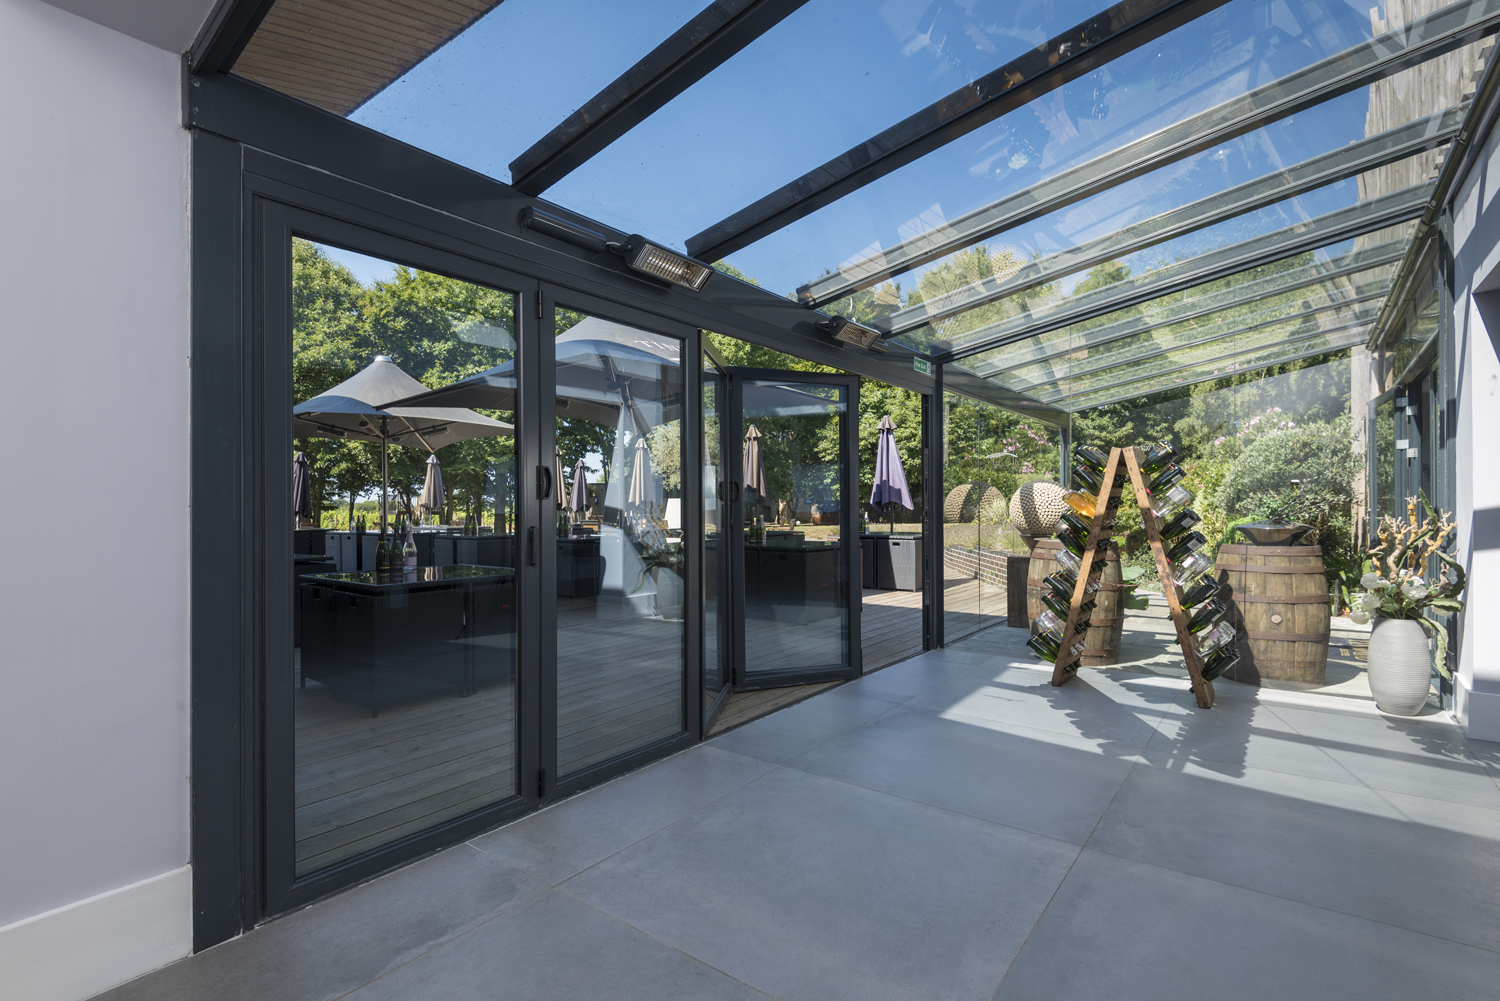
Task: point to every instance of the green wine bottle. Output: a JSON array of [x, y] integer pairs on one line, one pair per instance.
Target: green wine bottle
[[1091, 456], [1181, 522], [1160, 455], [382, 557], [1201, 590], [1220, 661]]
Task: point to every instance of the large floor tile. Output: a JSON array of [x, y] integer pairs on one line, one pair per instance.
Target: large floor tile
[[573, 835], [1416, 758], [1037, 780], [1235, 736], [1122, 711], [334, 946], [1336, 845], [557, 949], [797, 729], [910, 678], [1120, 930], [808, 888]]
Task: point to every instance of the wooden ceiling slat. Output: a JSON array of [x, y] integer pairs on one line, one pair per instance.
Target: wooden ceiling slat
[[337, 54]]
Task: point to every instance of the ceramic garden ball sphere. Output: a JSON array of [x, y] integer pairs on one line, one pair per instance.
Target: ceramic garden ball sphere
[[957, 505], [1037, 507], [992, 506]]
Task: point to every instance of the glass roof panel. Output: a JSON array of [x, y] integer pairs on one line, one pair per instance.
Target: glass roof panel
[[513, 75], [1319, 275], [1196, 70], [1282, 316], [824, 80], [1157, 380]]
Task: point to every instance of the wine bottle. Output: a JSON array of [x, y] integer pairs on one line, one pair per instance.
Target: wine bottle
[[382, 557], [1094, 481], [1080, 525], [1071, 542], [1084, 503], [1180, 522], [409, 551], [1050, 620], [1220, 661], [1191, 567], [1199, 591], [1062, 583], [1220, 635], [1046, 645], [1160, 455], [1175, 500], [1166, 479], [1207, 615], [1189, 543], [1068, 561], [1094, 458], [1060, 604]]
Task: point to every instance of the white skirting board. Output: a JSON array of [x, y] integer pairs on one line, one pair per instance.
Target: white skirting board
[[1478, 712], [77, 951]]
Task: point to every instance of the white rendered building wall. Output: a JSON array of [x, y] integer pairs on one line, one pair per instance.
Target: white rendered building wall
[[94, 514]]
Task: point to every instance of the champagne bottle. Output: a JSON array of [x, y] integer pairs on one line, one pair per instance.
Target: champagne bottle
[[1190, 568], [1062, 583], [1166, 479], [1220, 635], [1084, 503], [1220, 661], [1199, 591], [1068, 561], [1080, 525], [409, 551], [1071, 542], [1159, 456], [1060, 604], [1047, 644], [1094, 458], [1180, 522], [1189, 543], [1175, 500], [1206, 615], [382, 557], [1094, 481], [1050, 620]]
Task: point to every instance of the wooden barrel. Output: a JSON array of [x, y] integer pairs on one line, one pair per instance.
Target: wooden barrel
[[1102, 641], [1279, 601]]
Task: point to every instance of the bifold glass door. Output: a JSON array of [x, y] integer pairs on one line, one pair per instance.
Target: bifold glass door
[[792, 526]]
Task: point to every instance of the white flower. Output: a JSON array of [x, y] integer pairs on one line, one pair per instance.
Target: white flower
[[1414, 588], [1371, 581], [1358, 616]]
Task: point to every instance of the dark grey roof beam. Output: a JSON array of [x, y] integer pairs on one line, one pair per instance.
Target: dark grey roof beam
[[1076, 52], [722, 29], [1334, 227], [226, 33], [1328, 168], [1422, 39]]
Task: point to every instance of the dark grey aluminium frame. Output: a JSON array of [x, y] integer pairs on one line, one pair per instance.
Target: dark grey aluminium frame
[[731, 421]]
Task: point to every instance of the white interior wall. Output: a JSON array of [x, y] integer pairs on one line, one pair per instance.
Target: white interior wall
[[94, 630], [1476, 306]]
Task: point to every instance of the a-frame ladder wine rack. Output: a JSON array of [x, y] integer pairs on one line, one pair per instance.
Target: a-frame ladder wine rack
[[1124, 466]]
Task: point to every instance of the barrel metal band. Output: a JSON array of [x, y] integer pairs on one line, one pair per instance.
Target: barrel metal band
[[1240, 566], [1288, 637]]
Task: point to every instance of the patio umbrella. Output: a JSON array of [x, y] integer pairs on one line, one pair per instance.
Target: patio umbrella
[[557, 475], [890, 479], [301, 488], [432, 487], [641, 493], [357, 409], [755, 470], [580, 496]]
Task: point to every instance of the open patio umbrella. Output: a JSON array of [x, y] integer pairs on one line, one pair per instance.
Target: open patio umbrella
[[890, 479], [756, 490], [357, 409], [579, 499], [432, 487], [301, 488]]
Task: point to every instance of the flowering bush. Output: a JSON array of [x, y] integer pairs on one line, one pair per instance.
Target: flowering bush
[[1396, 589]]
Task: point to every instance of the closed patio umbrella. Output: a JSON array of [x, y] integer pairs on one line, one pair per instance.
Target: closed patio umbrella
[[432, 487], [641, 492], [755, 470], [890, 486], [301, 488], [579, 499]]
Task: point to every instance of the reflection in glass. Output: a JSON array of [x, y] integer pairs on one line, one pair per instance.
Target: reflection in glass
[[404, 706], [715, 666], [620, 553], [796, 594]]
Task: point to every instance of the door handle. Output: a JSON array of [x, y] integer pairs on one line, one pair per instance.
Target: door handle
[[719, 490], [734, 492], [543, 482], [531, 547]]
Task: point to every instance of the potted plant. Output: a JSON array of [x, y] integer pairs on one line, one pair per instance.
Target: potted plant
[[1398, 596], [663, 561]]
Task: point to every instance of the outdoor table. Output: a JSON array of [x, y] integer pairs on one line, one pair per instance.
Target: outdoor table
[[580, 567], [380, 639]]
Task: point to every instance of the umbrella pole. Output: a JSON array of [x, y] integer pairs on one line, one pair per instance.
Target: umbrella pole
[[385, 483]]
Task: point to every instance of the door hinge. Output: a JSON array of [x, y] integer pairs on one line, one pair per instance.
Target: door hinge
[[541, 783], [538, 307]]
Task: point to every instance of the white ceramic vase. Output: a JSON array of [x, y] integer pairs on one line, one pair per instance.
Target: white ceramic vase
[[1400, 666]]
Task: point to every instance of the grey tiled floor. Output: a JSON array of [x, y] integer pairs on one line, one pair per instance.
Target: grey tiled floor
[[951, 827]]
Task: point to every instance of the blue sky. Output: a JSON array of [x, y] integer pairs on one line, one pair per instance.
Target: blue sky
[[838, 71]]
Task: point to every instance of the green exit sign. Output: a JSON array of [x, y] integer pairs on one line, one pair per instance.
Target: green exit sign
[[921, 365]]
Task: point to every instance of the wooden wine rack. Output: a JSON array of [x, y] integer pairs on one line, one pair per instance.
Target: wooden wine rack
[[1125, 464]]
